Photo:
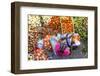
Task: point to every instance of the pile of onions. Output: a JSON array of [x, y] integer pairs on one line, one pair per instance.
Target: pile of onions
[[40, 54], [46, 41]]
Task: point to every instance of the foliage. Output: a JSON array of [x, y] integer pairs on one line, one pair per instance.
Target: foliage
[[80, 26]]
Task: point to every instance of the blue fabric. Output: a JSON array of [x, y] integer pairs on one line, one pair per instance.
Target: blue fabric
[[68, 40], [53, 42]]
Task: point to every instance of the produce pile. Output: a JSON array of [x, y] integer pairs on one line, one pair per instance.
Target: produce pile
[[81, 26], [66, 24], [50, 36]]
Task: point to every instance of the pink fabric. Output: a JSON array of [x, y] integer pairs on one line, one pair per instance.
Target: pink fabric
[[59, 53]]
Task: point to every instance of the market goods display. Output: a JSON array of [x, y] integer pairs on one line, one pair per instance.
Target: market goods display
[[53, 37], [66, 24], [40, 54]]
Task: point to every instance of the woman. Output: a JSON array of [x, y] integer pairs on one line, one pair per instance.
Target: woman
[[58, 46]]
